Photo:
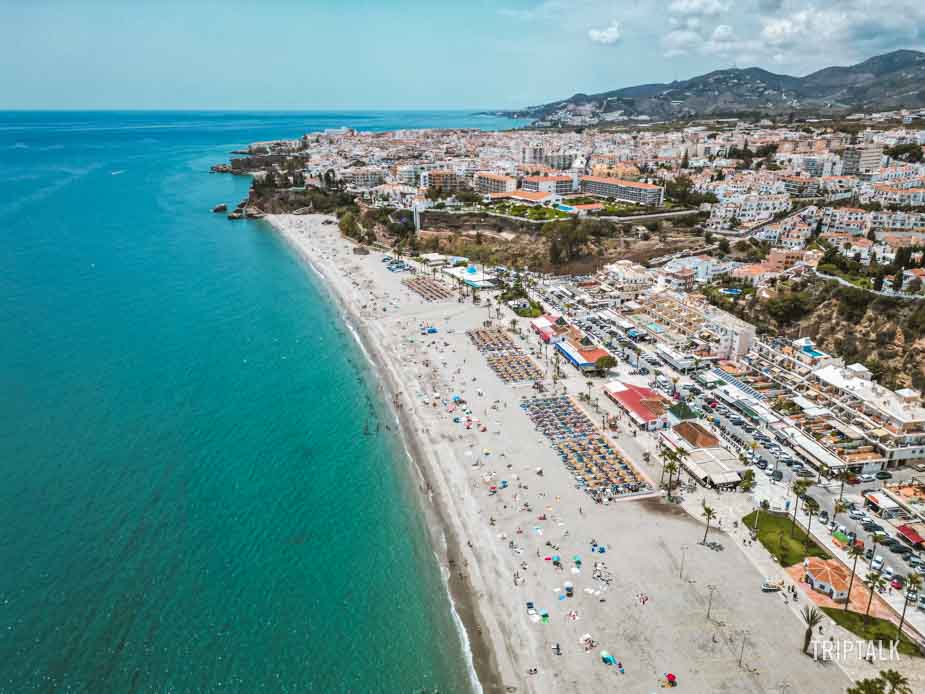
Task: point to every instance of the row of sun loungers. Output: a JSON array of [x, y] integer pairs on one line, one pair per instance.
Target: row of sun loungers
[[597, 468], [429, 288]]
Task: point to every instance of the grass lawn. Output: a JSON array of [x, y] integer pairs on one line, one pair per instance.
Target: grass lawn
[[774, 534], [535, 311], [877, 630]]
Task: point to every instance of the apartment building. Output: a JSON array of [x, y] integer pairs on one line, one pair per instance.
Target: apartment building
[[886, 194], [715, 333], [894, 421], [748, 209], [858, 160], [486, 182], [847, 220], [780, 259], [626, 191], [443, 179], [800, 186], [560, 185], [899, 220], [364, 178]]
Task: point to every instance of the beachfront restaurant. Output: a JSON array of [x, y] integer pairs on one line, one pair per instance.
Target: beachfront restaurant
[[471, 276], [706, 461], [551, 328], [646, 408], [583, 359]]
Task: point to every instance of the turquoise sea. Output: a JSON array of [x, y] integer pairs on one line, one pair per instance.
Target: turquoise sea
[[188, 502]]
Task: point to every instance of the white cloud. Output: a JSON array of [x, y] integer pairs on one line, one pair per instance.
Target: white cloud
[[607, 36], [706, 8], [723, 33], [680, 42]]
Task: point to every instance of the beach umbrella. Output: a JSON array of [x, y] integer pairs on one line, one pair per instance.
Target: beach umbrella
[[671, 678]]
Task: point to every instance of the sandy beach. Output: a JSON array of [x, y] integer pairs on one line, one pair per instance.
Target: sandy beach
[[498, 524]]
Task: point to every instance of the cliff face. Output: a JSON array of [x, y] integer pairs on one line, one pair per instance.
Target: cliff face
[[885, 341], [888, 335], [284, 200]]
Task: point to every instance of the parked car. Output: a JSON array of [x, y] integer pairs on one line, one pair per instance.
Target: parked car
[[869, 554], [884, 475], [897, 582], [805, 473], [824, 516], [888, 573], [777, 476], [877, 564], [867, 477], [855, 514]]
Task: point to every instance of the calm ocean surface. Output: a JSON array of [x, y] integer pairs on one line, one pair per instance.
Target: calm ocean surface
[[187, 499]]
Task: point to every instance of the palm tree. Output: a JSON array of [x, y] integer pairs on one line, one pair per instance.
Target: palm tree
[[799, 489], [589, 384], [897, 682], [813, 618], [812, 507], [839, 507], [709, 514], [875, 583], [671, 467], [666, 455], [748, 480], [843, 475], [854, 551], [913, 583], [869, 686], [681, 455]]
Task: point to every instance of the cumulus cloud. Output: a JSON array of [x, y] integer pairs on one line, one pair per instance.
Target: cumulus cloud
[[680, 42], [843, 25], [705, 8], [804, 34], [607, 36]]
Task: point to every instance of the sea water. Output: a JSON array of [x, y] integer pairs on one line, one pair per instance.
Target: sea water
[[188, 499]]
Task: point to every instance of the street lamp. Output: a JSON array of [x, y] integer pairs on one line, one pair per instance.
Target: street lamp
[[742, 649]]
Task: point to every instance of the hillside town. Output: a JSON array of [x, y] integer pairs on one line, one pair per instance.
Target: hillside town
[[796, 192], [770, 430]]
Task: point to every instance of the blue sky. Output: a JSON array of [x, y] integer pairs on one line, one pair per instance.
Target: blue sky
[[311, 54]]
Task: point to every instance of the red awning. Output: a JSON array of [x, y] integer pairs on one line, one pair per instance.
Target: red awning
[[910, 534]]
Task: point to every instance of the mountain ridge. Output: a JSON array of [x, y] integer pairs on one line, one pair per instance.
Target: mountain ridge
[[882, 82]]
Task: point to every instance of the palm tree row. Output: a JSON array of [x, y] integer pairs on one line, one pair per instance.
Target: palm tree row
[[672, 460], [887, 682]]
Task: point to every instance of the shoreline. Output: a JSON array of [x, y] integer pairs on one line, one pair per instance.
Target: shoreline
[[443, 536], [500, 503]]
